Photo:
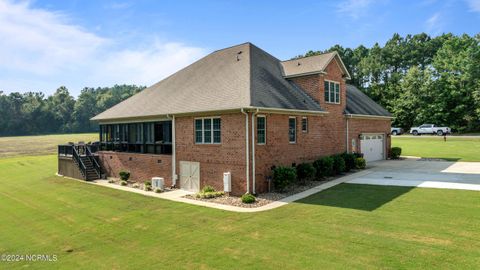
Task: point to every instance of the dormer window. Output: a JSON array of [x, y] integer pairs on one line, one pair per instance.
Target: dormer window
[[332, 92]]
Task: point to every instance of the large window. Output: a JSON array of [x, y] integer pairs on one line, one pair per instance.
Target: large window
[[261, 128], [292, 129], [332, 92], [148, 137], [208, 130]]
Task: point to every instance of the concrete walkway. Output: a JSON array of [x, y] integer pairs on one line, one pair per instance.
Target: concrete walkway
[[413, 172], [178, 195]]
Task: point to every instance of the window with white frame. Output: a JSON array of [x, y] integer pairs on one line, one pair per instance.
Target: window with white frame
[[261, 129], [304, 124], [208, 130], [332, 92], [292, 129]]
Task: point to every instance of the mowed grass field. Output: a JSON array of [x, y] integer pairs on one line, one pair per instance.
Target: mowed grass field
[[454, 149], [345, 227], [39, 145]]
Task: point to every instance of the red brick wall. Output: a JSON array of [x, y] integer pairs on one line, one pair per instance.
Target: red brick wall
[[357, 126], [142, 167], [215, 159]]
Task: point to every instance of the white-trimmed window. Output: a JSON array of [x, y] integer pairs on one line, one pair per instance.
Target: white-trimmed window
[[332, 92], [261, 129], [292, 129], [304, 124], [208, 130]]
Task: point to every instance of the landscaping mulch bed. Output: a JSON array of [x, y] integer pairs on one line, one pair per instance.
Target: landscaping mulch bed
[[265, 198]]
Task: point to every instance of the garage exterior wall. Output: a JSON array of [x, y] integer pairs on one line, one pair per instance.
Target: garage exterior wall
[[359, 126]]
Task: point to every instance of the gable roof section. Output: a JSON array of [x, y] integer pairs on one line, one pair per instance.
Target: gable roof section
[[236, 77], [270, 89], [360, 104], [312, 65]]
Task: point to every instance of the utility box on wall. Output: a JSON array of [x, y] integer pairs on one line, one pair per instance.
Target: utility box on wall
[[227, 182]]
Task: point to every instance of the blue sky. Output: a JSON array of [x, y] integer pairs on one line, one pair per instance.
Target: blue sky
[[46, 44]]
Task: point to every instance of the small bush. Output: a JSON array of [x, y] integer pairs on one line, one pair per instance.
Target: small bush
[[147, 188], [338, 164], [283, 177], [349, 159], [248, 198], [209, 194], [305, 171], [148, 183], [324, 167], [136, 185], [360, 163], [111, 181], [206, 189], [124, 175], [157, 190], [395, 152], [123, 183]]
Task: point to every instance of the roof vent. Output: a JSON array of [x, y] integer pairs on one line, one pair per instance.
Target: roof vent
[[238, 54]]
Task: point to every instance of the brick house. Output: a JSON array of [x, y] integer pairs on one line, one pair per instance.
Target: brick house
[[240, 110]]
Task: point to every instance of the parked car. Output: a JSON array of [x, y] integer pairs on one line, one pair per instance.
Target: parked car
[[396, 131], [430, 129]]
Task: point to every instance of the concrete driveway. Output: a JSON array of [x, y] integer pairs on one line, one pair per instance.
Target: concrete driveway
[[419, 173]]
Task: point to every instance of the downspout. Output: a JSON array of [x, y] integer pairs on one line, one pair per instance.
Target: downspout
[[174, 156], [253, 151], [347, 135], [246, 151]]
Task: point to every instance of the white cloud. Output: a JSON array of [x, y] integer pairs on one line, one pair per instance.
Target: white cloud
[[354, 8], [434, 24], [40, 47], [474, 5]]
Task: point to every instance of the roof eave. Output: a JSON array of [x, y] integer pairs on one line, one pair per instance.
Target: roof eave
[[368, 116]]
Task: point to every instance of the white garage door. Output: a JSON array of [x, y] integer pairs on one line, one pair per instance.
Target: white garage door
[[371, 146], [190, 175]]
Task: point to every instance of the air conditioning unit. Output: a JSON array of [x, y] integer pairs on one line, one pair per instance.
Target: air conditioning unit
[[158, 183], [227, 182]]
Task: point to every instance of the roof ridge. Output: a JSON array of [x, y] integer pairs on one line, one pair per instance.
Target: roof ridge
[[303, 57]]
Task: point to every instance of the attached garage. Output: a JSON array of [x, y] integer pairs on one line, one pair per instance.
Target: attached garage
[[372, 146]]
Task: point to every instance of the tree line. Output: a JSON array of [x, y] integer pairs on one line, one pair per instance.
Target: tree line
[[420, 79], [34, 113]]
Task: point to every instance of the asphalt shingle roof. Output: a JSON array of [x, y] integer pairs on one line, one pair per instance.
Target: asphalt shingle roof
[[359, 103], [237, 77]]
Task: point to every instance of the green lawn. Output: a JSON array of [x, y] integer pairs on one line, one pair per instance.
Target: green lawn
[[39, 145], [455, 148], [345, 227]]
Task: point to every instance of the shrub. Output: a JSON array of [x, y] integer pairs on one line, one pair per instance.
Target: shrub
[[157, 190], [283, 177], [395, 152], [111, 181], [124, 175], [338, 164], [136, 185], [206, 189], [360, 163], [349, 159], [248, 198], [324, 166], [305, 171], [209, 194], [148, 183], [147, 188], [123, 183]]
